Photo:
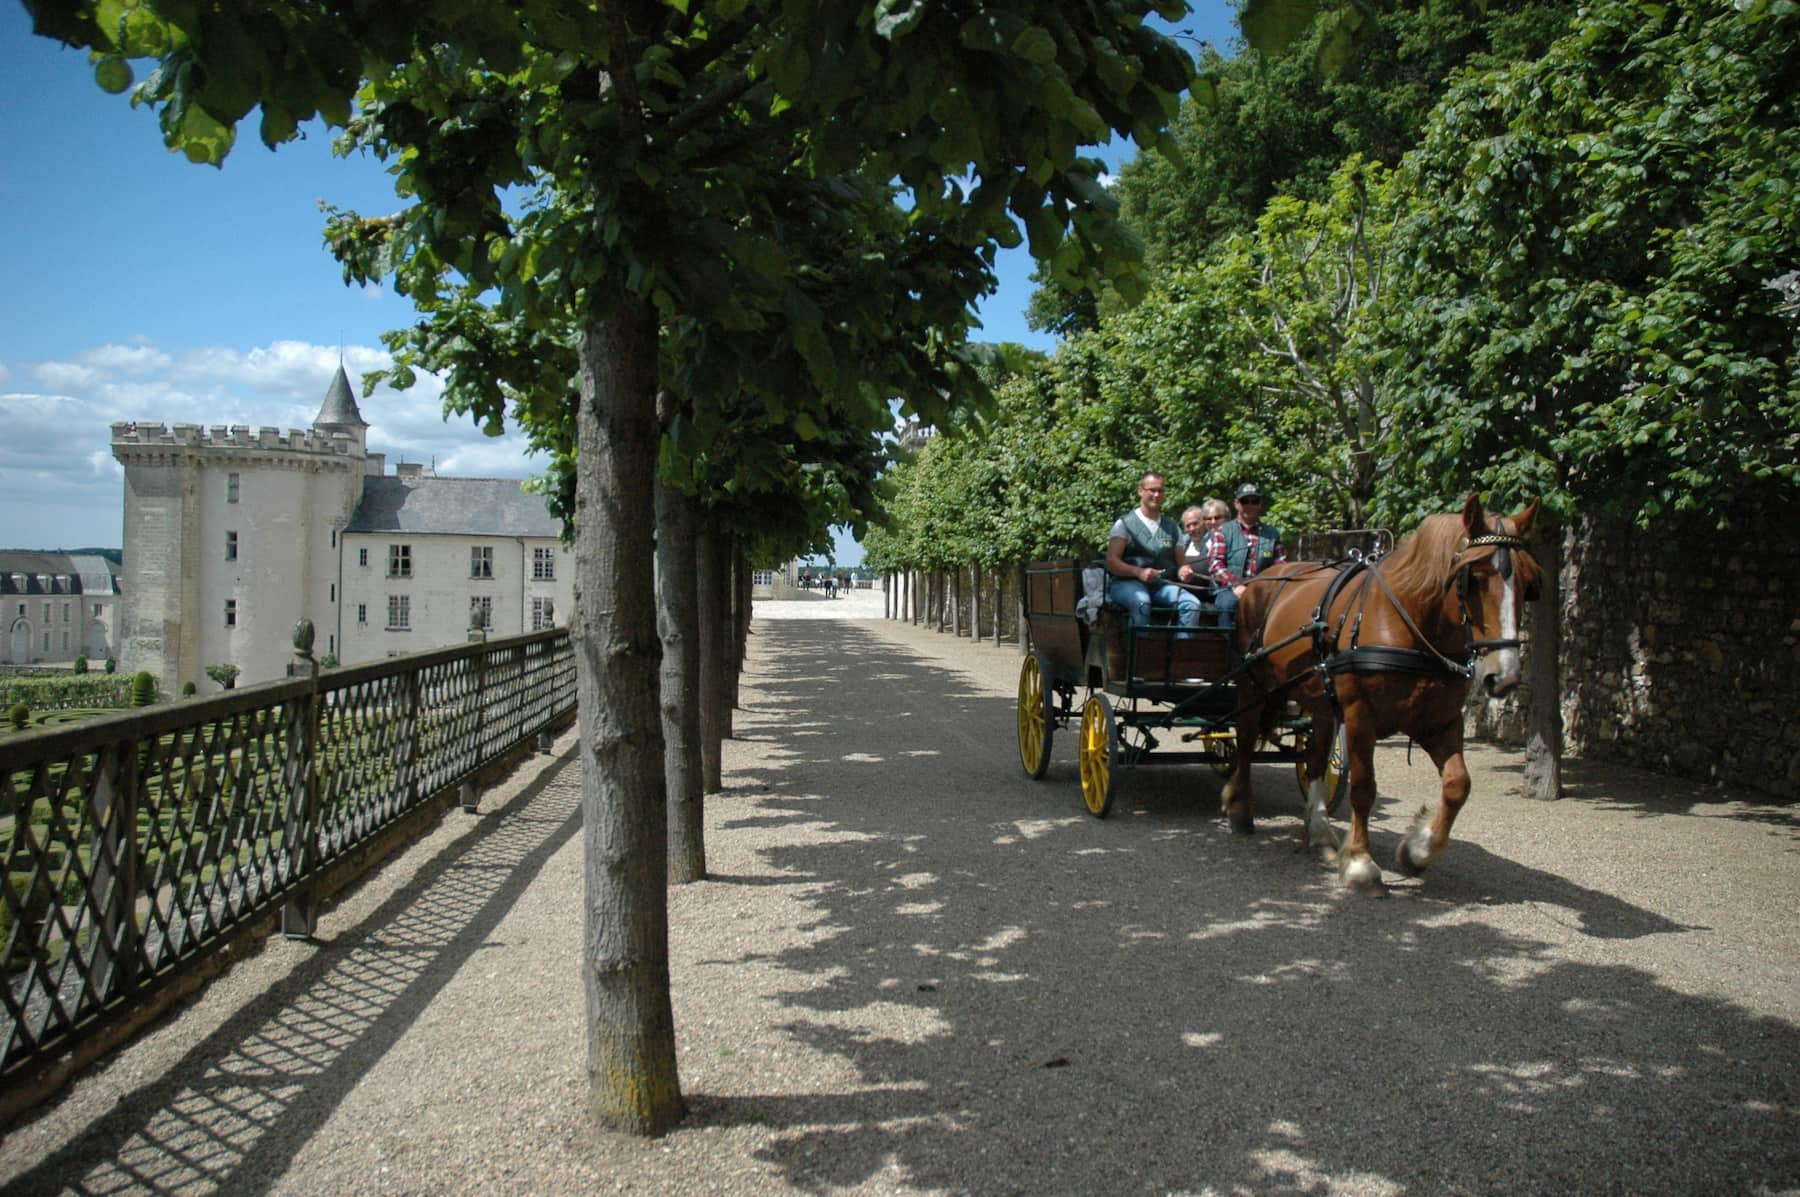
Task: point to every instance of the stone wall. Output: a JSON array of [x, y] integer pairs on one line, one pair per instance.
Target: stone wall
[[1681, 649]]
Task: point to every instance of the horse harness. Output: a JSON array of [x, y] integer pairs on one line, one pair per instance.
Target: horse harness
[[1372, 658]]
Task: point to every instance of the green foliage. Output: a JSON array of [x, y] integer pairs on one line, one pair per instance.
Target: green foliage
[[224, 674], [1360, 79], [328, 661], [112, 665], [143, 689], [1598, 311], [188, 689], [81, 664], [66, 692], [19, 715]]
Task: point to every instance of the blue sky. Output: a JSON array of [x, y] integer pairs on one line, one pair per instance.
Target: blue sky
[[144, 287]]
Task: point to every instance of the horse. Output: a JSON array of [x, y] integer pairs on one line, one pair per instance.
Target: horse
[[1384, 647]]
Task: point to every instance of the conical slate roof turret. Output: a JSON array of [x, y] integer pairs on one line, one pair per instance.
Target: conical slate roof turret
[[340, 404]]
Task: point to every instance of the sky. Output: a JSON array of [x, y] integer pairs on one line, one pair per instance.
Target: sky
[[140, 286]]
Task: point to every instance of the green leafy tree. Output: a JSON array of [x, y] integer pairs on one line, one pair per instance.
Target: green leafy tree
[[1316, 310], [1598, 311], [224, 674], [649, 133]]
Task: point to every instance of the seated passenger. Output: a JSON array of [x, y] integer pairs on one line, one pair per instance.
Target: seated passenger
[[1200, 522], [1241, 549], [1143, 554]]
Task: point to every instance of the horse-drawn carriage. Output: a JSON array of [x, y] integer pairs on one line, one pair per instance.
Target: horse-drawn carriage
[[1151, 694], [1329, 657]]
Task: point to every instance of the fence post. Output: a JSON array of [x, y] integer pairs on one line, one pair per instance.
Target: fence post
[[299, 841], [115, 859], [466, 794]]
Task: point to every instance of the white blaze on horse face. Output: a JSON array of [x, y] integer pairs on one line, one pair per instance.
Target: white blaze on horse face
[[1498, 670]]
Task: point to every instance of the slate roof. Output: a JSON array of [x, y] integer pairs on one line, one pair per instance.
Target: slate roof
[[452, 506], [57, 573], [340, 403]]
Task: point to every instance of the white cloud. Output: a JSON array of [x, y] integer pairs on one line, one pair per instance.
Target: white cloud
[[55, 442], [128, 359], [65, 376]]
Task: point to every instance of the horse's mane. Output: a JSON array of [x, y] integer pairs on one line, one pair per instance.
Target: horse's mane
[[1420, 564]]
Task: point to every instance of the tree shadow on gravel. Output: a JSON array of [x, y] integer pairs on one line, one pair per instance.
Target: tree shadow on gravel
[[1622, 787], [233, 1111], [1036, 1001]]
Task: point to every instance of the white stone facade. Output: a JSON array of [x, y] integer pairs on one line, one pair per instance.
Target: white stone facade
[[232, 537], [55, 607]]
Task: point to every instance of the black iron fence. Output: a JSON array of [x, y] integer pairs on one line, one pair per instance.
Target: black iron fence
[[133, 844]]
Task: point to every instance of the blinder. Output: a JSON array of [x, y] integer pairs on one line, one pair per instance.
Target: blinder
[[1504, 543]]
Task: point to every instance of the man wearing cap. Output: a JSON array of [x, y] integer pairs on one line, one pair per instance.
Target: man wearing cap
[[1143, 552], [1241, 549]]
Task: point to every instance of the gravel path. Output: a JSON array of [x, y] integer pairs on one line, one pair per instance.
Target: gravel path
[[916, 971]]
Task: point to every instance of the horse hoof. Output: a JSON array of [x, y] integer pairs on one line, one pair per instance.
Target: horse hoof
[[1404, 864], [1362, 875]]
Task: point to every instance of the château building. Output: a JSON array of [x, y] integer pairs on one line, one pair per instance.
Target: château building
[[232, 537], [57, 607]]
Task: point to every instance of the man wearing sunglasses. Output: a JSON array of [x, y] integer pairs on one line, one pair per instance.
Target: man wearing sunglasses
[[1241, 549], [1143, 553]]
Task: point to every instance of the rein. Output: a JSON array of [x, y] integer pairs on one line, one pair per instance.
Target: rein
[[1425, 662]]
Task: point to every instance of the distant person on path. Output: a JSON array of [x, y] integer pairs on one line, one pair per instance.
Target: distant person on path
[[1143, 555], [830, 586], [1241, 549]]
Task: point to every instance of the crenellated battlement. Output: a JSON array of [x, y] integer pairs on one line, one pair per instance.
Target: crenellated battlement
[[148, 435]]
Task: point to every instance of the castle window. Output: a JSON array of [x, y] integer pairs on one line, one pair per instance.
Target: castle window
[[231, 546], [96, 610], [543, 614], [399, 561], [399, 612], [481, 562], [362, 557], [331, 593], [46, 618], [543, 564], [231, 613], [484, 607], [231, 488], [334, 538], [65, 642], [362, 613], [65, 613]]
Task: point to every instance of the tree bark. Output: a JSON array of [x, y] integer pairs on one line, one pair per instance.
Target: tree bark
[[1542, 777], [678, 617], [709, 572], [975, 600], [633, 1084]]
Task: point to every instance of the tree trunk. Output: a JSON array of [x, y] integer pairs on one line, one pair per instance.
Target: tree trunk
[[954, 601], [740, 627], [633, 1084], [709, 572], [1543, 736], [1020, 580], [975, 600], [677, 533]]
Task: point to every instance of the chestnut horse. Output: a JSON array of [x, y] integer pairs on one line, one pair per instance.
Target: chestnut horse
[[1384, 648]]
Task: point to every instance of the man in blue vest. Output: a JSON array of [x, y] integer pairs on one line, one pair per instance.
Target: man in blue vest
[[1143, 553], [1241, 549]]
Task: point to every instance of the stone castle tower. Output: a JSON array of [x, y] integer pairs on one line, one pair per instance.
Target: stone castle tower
[[231, 537]]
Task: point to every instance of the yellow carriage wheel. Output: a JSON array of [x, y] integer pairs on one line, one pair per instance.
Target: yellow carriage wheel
[[1099, 749], [1035, 726]]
